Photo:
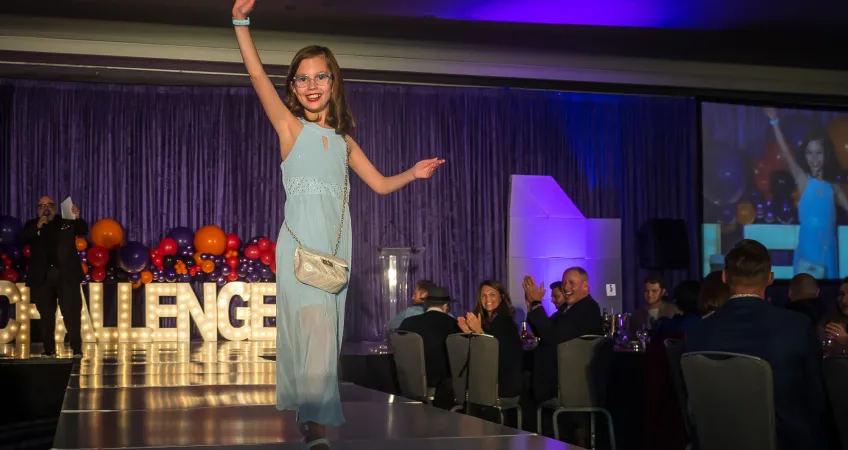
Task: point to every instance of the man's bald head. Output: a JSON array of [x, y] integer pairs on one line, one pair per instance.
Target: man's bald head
[[803, 287]]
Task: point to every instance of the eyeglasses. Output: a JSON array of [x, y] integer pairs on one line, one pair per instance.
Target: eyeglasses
[[46, 205], [322, 79]]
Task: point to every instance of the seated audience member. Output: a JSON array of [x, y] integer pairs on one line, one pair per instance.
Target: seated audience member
[[686, 299], [494, 315], [749, 325], [434, 327], [714, 293], [834, 323], [419, 294], [804, 297], [580, 315], [557, 296], [654, 309]]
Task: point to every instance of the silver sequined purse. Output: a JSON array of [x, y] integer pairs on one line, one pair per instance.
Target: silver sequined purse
[[321, 270]]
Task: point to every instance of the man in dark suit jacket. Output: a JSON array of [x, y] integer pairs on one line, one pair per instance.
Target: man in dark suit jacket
[[55, 272], [749, 325], [804, 297], [434, 327], [578, 316]]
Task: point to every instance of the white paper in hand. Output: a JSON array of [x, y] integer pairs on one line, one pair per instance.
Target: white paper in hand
[[66, 209]]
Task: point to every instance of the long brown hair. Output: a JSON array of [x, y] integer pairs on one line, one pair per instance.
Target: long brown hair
[[505, 308], [338, 114]]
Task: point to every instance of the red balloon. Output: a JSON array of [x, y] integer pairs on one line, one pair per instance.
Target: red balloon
[[264, 244], [267, 257], [10, 275], [5, 259], [158, 260], [232, 276], [98, 274], [251, 252], [274, 267], [26, 251], [233, 242], [155, 252], [168, 246], [762, 177], [98, 256], [232, 262]]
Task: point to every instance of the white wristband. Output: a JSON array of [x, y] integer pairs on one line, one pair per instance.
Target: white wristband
[[241, 23]]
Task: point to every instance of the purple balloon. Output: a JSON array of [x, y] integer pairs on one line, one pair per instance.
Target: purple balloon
[[221, 281], [213, 277], [726, 215], [183, 236], [725, 178], [251, 269], [205, 256], [13, 252], [225, 270], [190, 249], [184, 278], [756, 196], [253, 277], [242, 273], [9, 229], [132, 257], [266, 273], [135, 277], [254, 240]]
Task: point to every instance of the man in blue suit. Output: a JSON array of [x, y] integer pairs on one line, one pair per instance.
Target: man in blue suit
[[749, 325]]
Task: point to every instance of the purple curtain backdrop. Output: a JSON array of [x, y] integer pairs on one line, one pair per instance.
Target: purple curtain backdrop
[[154, 158]]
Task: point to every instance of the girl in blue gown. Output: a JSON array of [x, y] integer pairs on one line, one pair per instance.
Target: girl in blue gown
[[313, 125], [816, 252]]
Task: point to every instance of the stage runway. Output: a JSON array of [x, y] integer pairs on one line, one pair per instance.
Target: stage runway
[[221, 395]]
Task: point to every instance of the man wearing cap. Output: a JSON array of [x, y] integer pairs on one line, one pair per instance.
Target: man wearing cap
[[434, 327]]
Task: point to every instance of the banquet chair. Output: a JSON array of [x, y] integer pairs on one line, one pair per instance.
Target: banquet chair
[[483, 377], [731, 400], [835, 370], [674, 351], [458, 350], [583, 366], [408, 351]]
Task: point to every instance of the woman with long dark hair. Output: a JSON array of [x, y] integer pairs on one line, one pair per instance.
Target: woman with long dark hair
[[494, 315]]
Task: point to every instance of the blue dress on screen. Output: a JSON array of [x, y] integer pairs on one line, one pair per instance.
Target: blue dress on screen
[[310, 322], [816, 252]]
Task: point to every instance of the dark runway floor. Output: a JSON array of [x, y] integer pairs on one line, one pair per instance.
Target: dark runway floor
[[221, 395]]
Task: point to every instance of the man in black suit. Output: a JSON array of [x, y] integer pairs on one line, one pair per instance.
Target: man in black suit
[[749, 325], [55, 272], [804, 297], [434, 327], [578, 316]]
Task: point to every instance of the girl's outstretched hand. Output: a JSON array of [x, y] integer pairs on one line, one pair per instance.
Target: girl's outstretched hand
[[242, 9], [426, 168]]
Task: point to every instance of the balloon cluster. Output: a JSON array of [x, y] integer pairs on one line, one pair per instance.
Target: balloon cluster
[[208, 255], [12, 258], [756, 186]]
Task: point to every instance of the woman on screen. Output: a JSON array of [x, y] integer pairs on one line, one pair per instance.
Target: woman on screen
[[813, 169]]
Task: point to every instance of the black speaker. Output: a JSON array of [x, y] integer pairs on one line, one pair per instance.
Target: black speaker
[[663, 244]]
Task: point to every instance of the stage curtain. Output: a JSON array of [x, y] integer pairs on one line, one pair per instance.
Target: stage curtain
[[158, 157]]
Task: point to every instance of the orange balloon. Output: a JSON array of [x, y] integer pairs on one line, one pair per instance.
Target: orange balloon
[[210, 239], [745, 213], [84, 267], [207, 266], [136, 285], [81, 243], [107, 233], [838, 130], [730, 228], [146, 277], [197, 259]]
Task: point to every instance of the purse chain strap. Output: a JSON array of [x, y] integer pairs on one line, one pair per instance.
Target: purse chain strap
[[344, 204]]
